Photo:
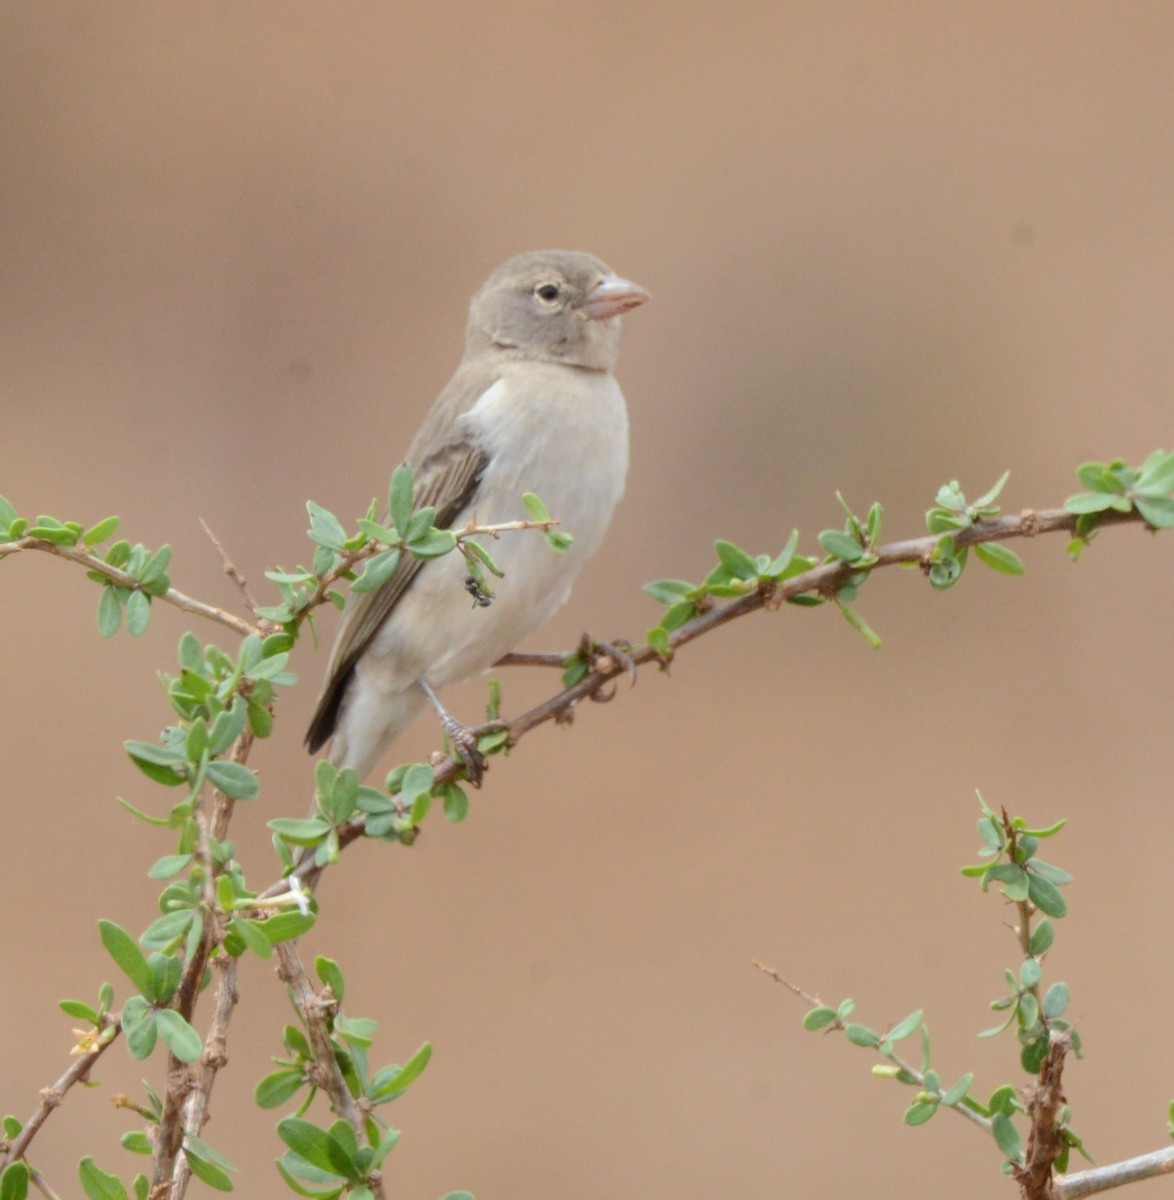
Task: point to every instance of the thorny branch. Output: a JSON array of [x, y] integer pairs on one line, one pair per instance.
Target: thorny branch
[[189, 1097]]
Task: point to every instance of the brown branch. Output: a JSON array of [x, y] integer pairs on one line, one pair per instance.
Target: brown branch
[[212, 1059], [172, 596], [316, 1009], [183, 1085], [53, 1096], [1045, 1142]]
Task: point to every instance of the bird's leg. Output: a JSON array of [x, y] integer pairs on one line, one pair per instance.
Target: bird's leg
[[461, 736]]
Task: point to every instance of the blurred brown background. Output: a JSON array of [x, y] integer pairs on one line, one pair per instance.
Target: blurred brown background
[[889, 244]]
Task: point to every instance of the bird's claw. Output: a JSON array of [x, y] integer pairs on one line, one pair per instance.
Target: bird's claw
[[618, 652], [464, 744]]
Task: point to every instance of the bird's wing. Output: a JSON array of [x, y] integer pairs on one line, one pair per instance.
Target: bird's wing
[[446, 478]]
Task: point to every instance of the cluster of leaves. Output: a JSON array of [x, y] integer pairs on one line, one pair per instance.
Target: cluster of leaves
[[1032, 885], [216, 696], [854, 547], [952, 513], [392, 815], [321, 1161], [1116, 487], [148, 569]]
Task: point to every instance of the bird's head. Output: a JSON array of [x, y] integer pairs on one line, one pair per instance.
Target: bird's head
[[554, 306]]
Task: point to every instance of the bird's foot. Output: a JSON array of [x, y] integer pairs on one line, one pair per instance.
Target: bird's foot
[[618, 652], [464, 743]]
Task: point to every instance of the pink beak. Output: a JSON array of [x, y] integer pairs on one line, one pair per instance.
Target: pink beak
[[612, 296]]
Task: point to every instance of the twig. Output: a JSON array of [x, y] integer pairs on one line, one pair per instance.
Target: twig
[[1101, 1179], [41, 1184], [172, 596], [230, 567], [52, 1097], [212, 1059], [961, 1109]]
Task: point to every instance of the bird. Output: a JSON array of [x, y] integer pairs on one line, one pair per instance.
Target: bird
[[533, 406]]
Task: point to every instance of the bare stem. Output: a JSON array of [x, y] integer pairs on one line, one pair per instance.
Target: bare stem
[[1102, 1179]]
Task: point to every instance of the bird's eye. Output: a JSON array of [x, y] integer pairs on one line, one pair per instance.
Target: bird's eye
[[548, 293]]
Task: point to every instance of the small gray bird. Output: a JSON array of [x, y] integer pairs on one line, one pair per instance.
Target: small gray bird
[[533, 407]]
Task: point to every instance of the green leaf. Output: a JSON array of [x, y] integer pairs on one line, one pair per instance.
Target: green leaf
[[275, 1090], [136, 1141], [1157, 510], [183, 1041], [286, 925], [325, 528], [92, 536], [1093, 502], [80, 1010], [109, 612], [534, 506], [235, 780], [1156, 477], [377, 571], [166, 929], [1042, 937], [209, 1173], [400, 501], [998, 556], [456, 802], [300, 831], [819, 1018], [1052, 874], [959, 1090], [841, 545], [1029, 973], [130, 959], [668, 591], [905, 1027], [138, 1023], [14, 1181], [1007, 1137], [330, 974], [97, 1184], [778, 567], [988, 498], [387, 1085], [1056, 1000], [861, 1035], [155, 569], [317, 1147], [859, 624], [433, 544], [1046, 896], [919, 1112], [252, 935], [739, 564]]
